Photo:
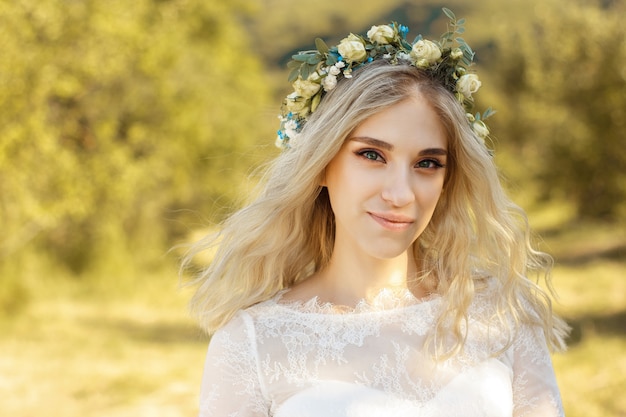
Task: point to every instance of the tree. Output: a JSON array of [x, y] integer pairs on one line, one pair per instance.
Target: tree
[[115, 113], [563, 99]]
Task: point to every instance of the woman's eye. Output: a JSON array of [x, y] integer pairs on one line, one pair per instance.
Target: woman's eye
[[371, 155], [430, 163]]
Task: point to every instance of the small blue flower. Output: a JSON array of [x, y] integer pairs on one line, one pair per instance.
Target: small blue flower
[[370, 59], [403, 31]]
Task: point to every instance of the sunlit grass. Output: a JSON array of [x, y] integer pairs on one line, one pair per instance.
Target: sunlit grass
[[592, 376], [593, 290], [77, 356], [590, 277]]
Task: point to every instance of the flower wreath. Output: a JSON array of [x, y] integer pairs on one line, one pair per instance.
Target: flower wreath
[[315, 72]]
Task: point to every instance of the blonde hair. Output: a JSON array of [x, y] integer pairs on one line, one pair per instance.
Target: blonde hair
[[287, 232]]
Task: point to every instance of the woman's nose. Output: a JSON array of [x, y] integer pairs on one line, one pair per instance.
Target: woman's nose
[[398, 188]]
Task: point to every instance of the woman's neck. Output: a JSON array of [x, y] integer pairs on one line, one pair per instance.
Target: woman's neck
[[350, 278]]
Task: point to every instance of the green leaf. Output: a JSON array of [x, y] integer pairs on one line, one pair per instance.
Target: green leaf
[[315, 102], [302, 57], [293, 64], [305, 71], [313, 59], [407, 46], [460, 22], [321, 46], [468, 54], [331, 59], [460, 30], [488, 113], [293, 75], [447, 37], [449, 13]]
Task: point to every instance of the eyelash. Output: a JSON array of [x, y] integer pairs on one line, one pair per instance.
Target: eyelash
[[436, 164], [364, 152]]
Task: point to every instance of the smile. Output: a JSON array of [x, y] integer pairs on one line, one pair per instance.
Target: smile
[[392, 221]]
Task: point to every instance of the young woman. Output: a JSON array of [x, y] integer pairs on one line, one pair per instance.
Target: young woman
[[381, 270]]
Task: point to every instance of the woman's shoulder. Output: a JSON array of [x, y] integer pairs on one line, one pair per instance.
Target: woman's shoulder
[[519, 319]]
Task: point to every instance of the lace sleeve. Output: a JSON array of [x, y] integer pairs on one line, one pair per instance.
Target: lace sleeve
[[230, 385], [535, 391]]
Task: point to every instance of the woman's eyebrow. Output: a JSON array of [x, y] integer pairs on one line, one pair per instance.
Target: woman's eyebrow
[[389, 147], [433, 151], [374, 142]]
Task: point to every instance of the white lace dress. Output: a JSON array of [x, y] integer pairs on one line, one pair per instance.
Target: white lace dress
[[306, 360]]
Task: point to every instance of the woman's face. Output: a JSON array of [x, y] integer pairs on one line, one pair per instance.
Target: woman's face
[[385, 181]]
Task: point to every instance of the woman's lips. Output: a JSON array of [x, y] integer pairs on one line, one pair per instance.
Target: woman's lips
[[392, 221]]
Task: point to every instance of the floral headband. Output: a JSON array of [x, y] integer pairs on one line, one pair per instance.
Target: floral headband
[[315, 72]]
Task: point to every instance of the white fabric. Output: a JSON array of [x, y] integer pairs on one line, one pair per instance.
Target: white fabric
[[307, 360]]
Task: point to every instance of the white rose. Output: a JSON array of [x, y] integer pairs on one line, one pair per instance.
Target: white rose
[[291, 133], [334, 70], [381, 34], [480, 129], [425, 51], [314, 77], [468, 84], [403, 56], [352, 49], [296, 106], [422, 63], [329, 82], [305, 88], [456, 53], [291, 125]]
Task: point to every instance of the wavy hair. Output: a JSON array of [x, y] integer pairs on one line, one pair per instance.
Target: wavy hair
[[287, 231]]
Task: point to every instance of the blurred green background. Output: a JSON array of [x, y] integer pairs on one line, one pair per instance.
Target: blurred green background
[[127, 128]]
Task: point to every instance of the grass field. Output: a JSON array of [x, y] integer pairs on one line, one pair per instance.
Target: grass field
[[94, 352], [591, 280]]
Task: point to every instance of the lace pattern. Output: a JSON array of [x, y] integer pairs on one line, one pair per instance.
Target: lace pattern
[[299, 359], [386, 299]]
